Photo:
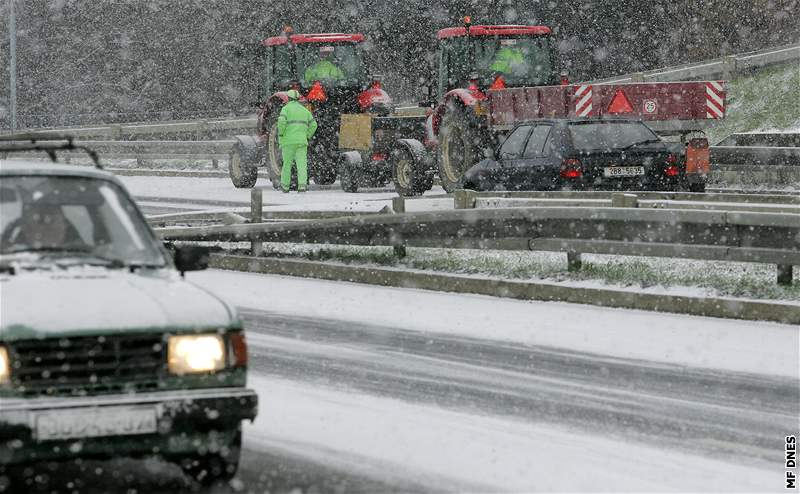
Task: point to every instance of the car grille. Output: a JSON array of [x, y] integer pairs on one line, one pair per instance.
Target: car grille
[[88, 365]]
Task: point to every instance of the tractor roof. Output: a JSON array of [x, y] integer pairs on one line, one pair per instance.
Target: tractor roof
[[506, 30], [314, 38]]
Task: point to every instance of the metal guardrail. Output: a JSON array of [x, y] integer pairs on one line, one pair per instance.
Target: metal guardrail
[[756, 155], [154, 150], [762, 139], [491, 202], [724, 67], [465, 199], [772, 238], [200, 129]]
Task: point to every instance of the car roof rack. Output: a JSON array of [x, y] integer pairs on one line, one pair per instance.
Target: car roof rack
[[50, 143]]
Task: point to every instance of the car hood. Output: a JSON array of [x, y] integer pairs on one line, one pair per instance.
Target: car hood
[[82, 302]]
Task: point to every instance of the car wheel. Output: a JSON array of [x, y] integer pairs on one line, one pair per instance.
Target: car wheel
[[212, 467], [12, 479], [697, 187], [243, 162]]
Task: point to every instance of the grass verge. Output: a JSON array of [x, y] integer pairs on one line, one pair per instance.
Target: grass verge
[[687, 277]]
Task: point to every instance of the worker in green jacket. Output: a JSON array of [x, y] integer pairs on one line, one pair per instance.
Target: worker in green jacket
[[508, 60], [323, 70], [296, 125]]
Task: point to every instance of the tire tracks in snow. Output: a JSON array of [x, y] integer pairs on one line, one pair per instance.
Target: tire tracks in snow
[[737, 415]]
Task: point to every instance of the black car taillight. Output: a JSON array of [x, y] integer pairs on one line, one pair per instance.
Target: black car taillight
[[672, 169], [571, 169]]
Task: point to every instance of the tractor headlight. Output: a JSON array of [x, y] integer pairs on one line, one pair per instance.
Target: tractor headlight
[[5, 366], [190, 354]]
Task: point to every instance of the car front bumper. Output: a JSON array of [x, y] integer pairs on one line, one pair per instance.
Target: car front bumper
[[187, 421]]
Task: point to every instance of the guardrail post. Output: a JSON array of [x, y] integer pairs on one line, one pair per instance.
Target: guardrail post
[[785, 274], [256, 216], [573, 261], [215, 163], [399, 204], [202, 130], [464, 199], [728, 67], [621, 200], [116, 132]]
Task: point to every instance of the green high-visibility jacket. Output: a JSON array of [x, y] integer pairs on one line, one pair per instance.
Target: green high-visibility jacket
[[296, 125], [507, 59], [322, 70]]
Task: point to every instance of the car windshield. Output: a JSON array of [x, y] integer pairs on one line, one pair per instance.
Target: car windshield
[[520, 61], [610, 135], [332, 64], [73, 216]]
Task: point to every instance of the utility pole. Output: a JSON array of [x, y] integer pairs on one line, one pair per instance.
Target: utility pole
[[12, 69]]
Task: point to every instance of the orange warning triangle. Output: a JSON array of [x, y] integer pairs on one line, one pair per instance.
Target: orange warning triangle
[[620, 103]]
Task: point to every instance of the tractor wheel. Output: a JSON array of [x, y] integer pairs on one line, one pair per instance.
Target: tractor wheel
[[274, 158], [243, 162], [459, 148], [325, 168], [407, 161], [349, 166]]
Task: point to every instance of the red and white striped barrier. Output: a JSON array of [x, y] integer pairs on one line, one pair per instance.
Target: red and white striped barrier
[[715, 100], [583, 100]]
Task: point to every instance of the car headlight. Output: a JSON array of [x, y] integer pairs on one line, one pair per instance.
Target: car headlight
[[5, 366], [190, 354]]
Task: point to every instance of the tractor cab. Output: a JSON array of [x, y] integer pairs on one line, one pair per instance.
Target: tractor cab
[[327, 69], [495, 57], [329, 72]]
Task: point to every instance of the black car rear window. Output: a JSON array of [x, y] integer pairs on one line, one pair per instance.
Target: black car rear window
[[609, 135]]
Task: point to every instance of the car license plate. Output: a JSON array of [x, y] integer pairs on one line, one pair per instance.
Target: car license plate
[[95, 422], [623, 171]]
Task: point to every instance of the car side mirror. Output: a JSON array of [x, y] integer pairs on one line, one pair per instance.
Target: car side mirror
[[191, 258]]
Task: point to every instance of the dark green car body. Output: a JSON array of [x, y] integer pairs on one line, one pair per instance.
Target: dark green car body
[[88, 346]]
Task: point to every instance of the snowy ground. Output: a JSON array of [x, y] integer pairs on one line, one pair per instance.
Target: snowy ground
[[462, 452], [477, 394], [745, 346], [204, 191]]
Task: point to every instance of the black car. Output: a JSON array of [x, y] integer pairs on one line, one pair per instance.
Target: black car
[[575, 153]]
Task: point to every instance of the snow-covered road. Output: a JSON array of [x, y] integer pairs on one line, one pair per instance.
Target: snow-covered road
[[421, 390], [373, 389]]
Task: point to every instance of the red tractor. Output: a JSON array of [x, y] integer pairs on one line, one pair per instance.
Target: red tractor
[[330, 73], [491, 77]]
